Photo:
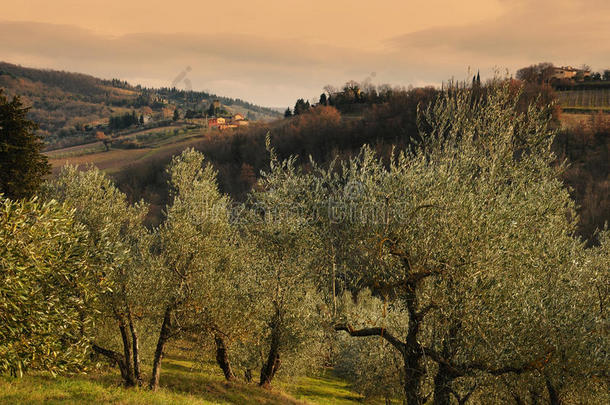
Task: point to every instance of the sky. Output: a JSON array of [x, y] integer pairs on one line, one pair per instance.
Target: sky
[[272, 52]]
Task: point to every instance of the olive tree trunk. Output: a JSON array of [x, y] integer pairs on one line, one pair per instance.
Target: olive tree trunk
[[442, 385], [123, 361], [131, 380], [135, 343], [273, 358], [117, 358], [222, 358], [163, 338]]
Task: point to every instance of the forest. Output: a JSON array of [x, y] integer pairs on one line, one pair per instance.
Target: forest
[[428, 253]]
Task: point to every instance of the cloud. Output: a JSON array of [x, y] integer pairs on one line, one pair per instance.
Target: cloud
[[561, 31], [219, 61], [277, 69]]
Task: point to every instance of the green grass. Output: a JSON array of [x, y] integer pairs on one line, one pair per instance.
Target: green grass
[[325, 389], [82, 390], [98, 147], [182, 382]]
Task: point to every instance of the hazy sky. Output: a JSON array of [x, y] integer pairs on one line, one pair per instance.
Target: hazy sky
[[271, 52]]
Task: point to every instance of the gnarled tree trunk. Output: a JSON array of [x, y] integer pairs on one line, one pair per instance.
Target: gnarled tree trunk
[[445, 374], [413, 351], [163, 338], [116, 358], [553, 394], [270, 367], [273, 358], [413, 376], [131, 380], [222, 358], [124, 361]]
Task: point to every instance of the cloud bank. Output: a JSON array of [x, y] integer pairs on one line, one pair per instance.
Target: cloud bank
[[275, 70]]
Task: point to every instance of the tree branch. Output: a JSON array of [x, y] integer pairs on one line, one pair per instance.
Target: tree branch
[[464, 369], [403, 256], [420, 275], [372, 332], [111, 354]]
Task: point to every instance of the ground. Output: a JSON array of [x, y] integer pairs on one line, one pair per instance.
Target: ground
[[182, 382], [152, 143]]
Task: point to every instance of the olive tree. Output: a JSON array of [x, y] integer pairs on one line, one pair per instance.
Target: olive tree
[[289, 316], [48, 288], [573, 329], [193, 250], [472, 235], [119, 245]]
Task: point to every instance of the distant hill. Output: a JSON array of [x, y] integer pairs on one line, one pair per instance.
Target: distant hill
[[74, 105]]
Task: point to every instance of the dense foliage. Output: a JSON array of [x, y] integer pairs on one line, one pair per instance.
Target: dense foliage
[[22, 165], [48, 284], [123, 121], [324, 133]]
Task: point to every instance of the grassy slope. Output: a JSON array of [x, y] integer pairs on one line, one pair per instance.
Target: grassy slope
[[182, 382], [116, 159]]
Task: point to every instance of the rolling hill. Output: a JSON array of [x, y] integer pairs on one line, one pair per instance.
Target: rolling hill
[[71, 107]]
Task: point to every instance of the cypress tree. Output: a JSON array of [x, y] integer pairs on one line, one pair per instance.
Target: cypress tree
[[323, 100], [22, 165]]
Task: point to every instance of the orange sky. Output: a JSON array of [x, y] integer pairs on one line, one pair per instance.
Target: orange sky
[[271, 52]]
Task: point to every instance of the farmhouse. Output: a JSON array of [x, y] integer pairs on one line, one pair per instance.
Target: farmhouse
[[216, 122], [239, 120], [569, 73], [221, 123]]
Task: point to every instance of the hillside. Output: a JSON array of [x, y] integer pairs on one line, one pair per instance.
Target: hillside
[[184, 382], [71, 107]]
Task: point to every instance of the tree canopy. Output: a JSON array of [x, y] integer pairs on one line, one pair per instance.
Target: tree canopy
[[48, 287], [22, 165]]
